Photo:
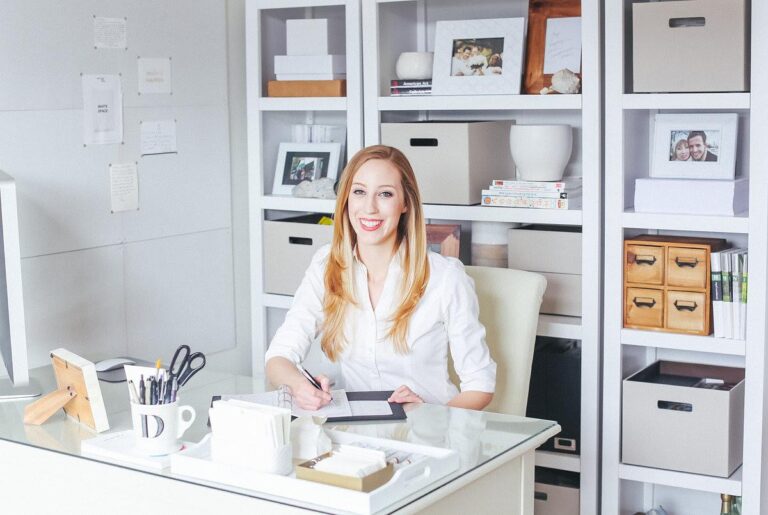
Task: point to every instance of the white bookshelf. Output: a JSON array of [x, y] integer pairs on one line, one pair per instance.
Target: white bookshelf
[[391, 27], [269, 122], [628, 116]]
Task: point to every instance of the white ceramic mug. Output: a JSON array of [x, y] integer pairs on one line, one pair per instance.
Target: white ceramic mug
[[158, 428]]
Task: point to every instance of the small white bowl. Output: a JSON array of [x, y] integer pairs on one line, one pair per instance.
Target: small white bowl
[[414, 65]]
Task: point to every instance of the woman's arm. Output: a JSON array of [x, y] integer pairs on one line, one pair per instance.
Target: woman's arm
[[471, 400]]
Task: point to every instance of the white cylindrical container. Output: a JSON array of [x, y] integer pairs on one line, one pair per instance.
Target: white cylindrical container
[[540, 152], [414, 66], [490, 243]]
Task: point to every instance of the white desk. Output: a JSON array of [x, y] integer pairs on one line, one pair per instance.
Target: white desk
[[42, 471]]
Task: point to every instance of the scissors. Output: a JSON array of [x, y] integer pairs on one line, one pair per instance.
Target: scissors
[[185, 364]]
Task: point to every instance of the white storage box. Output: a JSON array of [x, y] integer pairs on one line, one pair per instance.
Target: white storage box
[[292, 243], [692, 196], [669, 423], [312, 36], [563, 295], [555, 500], [453, 161], [690, 45], [310, 64], [542, 249]]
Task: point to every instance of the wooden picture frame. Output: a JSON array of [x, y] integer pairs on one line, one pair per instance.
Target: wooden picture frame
[[446, 237], [539, 11]]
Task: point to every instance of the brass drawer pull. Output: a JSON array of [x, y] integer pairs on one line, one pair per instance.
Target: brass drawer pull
[[644, 302], [645, 260], [685, 305], [686, 262]]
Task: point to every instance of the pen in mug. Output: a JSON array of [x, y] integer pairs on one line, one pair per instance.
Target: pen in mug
[[132, 392]]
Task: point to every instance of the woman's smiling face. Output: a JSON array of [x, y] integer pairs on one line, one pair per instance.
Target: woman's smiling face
[[376, 202]]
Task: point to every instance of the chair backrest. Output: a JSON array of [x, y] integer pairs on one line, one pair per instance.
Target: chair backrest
[[509, 310]]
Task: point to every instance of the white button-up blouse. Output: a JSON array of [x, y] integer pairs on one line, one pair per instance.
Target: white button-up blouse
[[445, 318]]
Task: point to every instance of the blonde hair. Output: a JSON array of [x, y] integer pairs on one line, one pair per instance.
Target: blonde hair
[[339, 272]]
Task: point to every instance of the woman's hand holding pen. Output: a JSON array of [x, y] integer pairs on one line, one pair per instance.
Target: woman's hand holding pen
[[308, 397], [404, 394]]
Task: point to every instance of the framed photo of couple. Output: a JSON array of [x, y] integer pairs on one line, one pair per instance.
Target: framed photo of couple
[[298, 162], [478, 57], [694, 146]]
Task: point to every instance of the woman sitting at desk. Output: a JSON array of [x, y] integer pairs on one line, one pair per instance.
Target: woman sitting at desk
[[383, 305]]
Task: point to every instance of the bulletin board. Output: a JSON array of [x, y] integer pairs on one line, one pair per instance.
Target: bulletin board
[[142, 281]]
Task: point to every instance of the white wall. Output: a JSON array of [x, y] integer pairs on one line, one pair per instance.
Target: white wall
[[141, 282]]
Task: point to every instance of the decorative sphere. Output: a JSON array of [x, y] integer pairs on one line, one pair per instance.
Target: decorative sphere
[[414, 65]]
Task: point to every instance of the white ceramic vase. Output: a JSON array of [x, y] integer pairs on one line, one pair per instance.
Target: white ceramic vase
[[540, 152], [414, 65]]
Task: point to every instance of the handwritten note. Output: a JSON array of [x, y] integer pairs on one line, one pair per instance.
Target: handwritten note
[[109, 33], [563, 45], [154, 75], [124, 186], [158, 137]]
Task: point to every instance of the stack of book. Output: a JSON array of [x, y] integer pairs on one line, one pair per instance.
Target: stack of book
[[565, 194], [402, 88], [729, 293]]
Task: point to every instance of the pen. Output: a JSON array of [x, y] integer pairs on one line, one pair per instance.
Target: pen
[[141, 390], [311, 379], [132, 392]]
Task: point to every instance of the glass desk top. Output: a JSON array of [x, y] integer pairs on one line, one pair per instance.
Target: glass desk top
[[477, 437]]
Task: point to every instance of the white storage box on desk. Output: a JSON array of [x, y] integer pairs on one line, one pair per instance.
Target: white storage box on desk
[[690, 45], [554, 252], [453, 161], [671, 424], [291, 243], [436, 463]]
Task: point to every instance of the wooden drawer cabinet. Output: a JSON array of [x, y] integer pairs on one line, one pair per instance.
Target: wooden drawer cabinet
[[666, 283]]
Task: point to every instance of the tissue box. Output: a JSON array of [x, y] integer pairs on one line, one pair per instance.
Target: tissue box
[[691, 45], [367, 483]]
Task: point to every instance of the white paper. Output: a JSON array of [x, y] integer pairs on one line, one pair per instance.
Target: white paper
[[339, 407], [154, 75], [158, 137], [102, 109], [370, 408], [124, 186], [563, 45], [110, 33]]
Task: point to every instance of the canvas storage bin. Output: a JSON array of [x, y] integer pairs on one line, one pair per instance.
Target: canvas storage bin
[[555, 492], [453, 161], [289, 246], [669, 423], [530, 248], [690, 45]]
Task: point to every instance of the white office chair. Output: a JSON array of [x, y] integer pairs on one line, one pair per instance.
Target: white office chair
[[509, 310]]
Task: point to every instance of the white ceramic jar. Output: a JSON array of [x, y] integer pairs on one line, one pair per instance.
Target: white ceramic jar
[[540, 152], [414, 65]]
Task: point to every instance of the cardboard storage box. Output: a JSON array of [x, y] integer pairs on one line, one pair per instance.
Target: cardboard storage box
[[290, 245], [555, 500], [453, 161], [690, 45], [676, 417], [530, 248]]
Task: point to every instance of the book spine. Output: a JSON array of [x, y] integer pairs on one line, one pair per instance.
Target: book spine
[[526, 194], [725, 263], [743, 300], [410, 83], [533, 203], [736, 260], [525, 189], [716, 291], [404, 92], [535, 185]]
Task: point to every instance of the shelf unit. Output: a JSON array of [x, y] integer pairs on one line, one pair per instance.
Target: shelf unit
[[627, 488], [269, 124], [391, 27]]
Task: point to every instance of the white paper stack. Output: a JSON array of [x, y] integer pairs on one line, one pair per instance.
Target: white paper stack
[[692, 196], [729, 293]]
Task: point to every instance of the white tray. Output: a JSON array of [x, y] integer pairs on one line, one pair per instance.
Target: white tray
[[196, 462]]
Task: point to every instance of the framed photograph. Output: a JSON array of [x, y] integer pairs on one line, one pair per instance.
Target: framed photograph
[[694, 146], [554, 41], [444, 239], [478, 57], [297, 162]]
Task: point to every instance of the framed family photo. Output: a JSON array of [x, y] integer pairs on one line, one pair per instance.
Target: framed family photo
[[297, 162], [694, 146], [478, 57]]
